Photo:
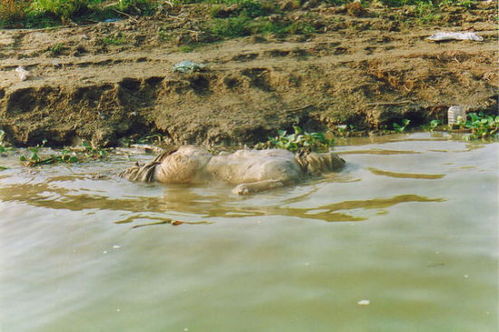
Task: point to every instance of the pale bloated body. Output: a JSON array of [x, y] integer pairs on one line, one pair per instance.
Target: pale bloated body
[[251, 170]]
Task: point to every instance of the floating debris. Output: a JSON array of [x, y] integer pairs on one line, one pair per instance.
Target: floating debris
[[364, 302], [446, 36], [116, 246], [188, 67], [22, 73], [172, 222]]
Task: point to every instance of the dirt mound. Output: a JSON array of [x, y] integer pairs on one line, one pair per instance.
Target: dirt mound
[[110, 80]]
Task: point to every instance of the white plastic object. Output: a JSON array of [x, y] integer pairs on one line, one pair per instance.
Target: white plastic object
[[455, 114], [444, 36], [22, 73]]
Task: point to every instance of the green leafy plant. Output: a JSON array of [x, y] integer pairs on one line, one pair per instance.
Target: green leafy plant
[[93, 153], [480, 125], [68, 155], [300, 140], [33, 158], [400, 128], [434, 124]]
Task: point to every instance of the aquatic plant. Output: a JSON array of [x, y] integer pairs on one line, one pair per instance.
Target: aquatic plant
[[93, 153], [33, 158], [68, 155], [400, 128], [434, 124], [300, 140], [480, 125]]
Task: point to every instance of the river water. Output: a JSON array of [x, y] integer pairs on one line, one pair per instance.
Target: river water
[[404, 239]]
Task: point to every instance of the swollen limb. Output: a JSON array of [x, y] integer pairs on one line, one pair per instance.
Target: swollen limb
[[254, 187]]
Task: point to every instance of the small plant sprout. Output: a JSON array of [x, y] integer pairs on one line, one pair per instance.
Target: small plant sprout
[[434, 124], [400, 128]]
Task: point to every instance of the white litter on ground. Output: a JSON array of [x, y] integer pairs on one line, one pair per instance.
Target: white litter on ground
[[22, 73], [444, 36]]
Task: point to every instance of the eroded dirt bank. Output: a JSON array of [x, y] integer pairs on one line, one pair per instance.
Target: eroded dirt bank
[[110, 80]]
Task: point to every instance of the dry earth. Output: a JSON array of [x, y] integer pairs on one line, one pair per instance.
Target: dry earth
[[363, 71]]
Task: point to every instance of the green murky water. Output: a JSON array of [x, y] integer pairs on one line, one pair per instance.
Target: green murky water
[[410, 225]]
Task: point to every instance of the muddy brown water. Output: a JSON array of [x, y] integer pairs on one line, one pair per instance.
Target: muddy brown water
[[410, 226]]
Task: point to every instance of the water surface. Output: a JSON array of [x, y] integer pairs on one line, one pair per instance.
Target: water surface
[[410, 225]]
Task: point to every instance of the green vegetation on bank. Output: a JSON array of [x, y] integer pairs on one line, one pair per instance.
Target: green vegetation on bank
[[228, 18], [476, 126], [35, 156], [479, 125], [46, 13], [299, 141], [68, 155]]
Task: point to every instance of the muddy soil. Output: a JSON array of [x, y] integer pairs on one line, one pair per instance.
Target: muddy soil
[[105, 81]]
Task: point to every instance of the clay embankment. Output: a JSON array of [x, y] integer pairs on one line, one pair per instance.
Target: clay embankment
[[367, 78]]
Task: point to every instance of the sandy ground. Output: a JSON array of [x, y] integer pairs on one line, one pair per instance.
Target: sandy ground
[[366, 72]]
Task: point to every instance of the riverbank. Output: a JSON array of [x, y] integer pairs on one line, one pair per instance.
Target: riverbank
[[364, 70]]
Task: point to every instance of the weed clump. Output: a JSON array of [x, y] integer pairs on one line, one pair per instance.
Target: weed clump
[[481, 126], [245, 16], [43, 13], [299, 141], [68, 155]]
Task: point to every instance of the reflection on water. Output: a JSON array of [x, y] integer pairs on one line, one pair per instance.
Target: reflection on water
[[379, 151], [405, 175], [43, 195], [75, 249]]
